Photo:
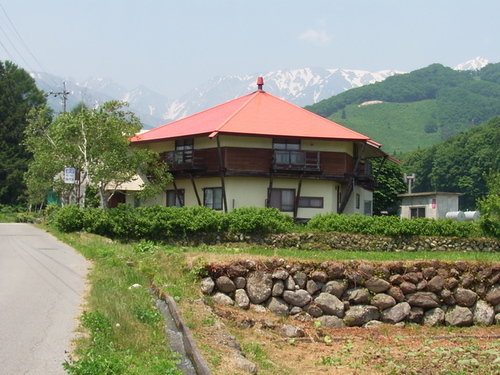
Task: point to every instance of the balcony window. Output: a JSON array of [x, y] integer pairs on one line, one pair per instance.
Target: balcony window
[[286, 144], [183, 151], [184, 144], [213, 198]]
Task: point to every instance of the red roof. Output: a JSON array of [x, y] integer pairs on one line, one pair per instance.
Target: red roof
[[259, 114]]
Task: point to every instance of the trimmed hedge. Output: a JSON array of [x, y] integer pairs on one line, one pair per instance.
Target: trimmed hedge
[[159, 223], [393, 226]]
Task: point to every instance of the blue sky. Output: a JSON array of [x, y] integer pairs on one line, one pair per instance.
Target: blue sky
[[174, 46]]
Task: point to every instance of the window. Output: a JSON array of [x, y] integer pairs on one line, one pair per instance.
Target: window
[[183, 151], [311, 202], [213, 198], [416, 212], [358, 200], [184, 144], [286, 144], [283, 199], [368, 208], [137, 202], [287, 151], [175, 198]]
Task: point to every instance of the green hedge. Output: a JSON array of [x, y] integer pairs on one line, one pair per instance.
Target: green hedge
[[393, 226], [159, 223]]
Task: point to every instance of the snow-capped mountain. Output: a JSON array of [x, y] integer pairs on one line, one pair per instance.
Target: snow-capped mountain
[[300, 86], [474, 64]]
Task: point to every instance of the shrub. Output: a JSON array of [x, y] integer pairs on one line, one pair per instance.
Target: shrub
[[69, 218], [392, 226], [50, 212], [257, 220]]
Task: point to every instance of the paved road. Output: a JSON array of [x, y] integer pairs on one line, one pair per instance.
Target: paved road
[[42, 282]]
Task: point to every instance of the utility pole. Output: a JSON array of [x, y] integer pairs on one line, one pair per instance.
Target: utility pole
[[409, 180], [63, 94]]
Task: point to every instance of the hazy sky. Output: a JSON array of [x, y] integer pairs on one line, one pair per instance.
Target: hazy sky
[[174, 46]]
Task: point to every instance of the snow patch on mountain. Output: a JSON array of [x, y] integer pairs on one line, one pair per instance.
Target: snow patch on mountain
[[474, 64], [301, 87]]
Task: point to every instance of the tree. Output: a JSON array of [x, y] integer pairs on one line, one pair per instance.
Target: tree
[[390, 184], [459, 163], [18, 95], [489, 206], [96, 143]]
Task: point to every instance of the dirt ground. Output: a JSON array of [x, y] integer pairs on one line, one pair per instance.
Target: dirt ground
[[225, 334]]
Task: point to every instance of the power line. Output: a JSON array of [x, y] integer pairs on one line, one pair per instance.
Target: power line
[[64, 93], [16, 33]]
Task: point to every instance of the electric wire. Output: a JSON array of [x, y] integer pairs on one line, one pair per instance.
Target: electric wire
[[16, 33]]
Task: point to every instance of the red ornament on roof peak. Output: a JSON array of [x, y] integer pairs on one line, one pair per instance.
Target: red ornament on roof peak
[[260, 83]]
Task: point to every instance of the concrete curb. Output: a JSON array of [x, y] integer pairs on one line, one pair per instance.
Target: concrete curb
[[191, 350], [197, 359]]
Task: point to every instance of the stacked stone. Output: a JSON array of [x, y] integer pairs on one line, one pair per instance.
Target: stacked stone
[[343, 296]]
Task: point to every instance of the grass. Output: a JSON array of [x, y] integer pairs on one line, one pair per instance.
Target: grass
[[121, 333]]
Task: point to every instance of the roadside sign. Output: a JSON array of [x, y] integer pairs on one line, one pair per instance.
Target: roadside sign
[[69, 175]]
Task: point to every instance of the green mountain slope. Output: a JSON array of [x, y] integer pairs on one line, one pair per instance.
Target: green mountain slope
[[458, 164], [420, 108], [400, 127]]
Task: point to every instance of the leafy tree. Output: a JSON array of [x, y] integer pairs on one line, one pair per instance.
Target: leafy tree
[[489, 206], [390, 184], [491, 72], [96, 143], [18, 95], [459, 163]]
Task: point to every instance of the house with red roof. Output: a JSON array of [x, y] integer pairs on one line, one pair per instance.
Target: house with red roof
[[259, 150]]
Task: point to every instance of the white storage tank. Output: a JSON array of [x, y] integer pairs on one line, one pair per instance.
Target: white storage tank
[[472, 215], [455, 215]]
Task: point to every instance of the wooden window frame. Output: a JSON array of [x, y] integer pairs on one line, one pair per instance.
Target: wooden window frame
[[213, 204], [282, 207], [178, 197], [306, 202]]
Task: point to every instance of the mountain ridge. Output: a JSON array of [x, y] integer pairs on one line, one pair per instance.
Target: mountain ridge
[[301, 87]]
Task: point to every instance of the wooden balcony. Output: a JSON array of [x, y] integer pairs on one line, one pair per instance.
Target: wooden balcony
[[296, 161], [365, 170], [184, 160]]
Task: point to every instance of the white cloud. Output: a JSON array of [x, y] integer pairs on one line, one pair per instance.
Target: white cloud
[[318, 37]]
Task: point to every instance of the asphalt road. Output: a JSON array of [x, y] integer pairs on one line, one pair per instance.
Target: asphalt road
[[42, 282]]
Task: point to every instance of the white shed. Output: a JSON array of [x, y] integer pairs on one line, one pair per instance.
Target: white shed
[[432, 205]]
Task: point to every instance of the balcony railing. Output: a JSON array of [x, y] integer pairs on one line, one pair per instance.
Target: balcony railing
[[184, 160], [365, 169], [293, 160]]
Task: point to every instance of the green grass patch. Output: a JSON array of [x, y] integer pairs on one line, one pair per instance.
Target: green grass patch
[[122, 333]]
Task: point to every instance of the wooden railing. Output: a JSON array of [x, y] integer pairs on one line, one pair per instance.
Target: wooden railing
[[294, 160], [184, 160]]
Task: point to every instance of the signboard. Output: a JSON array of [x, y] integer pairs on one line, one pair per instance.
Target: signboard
[[69, 175], [433, 203]]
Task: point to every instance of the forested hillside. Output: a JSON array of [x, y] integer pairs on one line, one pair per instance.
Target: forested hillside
[[417, 109], [459, 164]]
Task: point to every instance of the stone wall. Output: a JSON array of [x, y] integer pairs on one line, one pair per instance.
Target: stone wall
[[358, 242], [351, 242], [359, 293]]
